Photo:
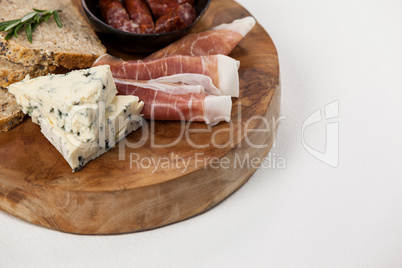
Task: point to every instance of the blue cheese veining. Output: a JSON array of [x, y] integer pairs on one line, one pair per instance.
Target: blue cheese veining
[[71, 103], [121, 118]]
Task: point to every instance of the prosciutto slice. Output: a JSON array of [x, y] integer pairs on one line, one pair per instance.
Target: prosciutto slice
[[218, 40], [158, 86], [222, 70], [175, 104], [190, 79]]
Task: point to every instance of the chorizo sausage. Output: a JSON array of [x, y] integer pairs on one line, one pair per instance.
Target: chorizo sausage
[[163, 7], [139, 12], [181, 17], [116, 16]]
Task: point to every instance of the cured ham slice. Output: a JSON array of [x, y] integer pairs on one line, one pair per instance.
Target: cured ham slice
[[174, 104], [191, 79], [222, 70], [218, 40], [158, 86]]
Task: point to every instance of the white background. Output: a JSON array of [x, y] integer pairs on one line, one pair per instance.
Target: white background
[[307, 214]]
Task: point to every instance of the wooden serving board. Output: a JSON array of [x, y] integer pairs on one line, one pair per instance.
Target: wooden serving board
[[120, 191]]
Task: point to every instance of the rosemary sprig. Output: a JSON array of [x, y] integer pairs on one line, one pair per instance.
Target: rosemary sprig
[[30, 21]]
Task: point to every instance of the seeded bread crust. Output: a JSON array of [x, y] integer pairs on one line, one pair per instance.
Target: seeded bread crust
[[11, 72], [10, 112], [73, 46]]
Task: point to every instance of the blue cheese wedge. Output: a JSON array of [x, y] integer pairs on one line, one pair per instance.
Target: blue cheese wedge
[[71, 103], [121, 118]]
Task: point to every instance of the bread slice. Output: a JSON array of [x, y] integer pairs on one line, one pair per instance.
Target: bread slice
[[73, 46], [11, 72], [10, 112]]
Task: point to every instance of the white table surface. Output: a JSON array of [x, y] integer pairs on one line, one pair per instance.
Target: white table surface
[[304, 214]]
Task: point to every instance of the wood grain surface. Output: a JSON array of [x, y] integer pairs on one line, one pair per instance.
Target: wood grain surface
[[117, 193]]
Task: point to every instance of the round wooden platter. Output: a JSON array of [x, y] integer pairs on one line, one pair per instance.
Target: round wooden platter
[[163, 173]]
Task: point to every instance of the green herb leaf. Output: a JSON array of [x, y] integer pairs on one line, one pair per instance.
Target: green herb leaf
[[28, 31], [47, 12], [16, 29], [46, 17], [28, 16], [4, 24], [9, 35], [37, 17], [57, 18], [30, 21], [39, 10], [34, 25], [11, 26]]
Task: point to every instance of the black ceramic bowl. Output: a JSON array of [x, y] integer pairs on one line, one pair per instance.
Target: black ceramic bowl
[[136, 43]]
